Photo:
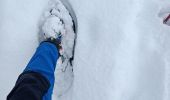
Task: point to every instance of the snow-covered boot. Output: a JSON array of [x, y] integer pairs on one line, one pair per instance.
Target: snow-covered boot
[[60, 27]]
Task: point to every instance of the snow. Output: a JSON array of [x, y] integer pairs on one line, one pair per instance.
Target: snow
[[122, 51], [52, 27]]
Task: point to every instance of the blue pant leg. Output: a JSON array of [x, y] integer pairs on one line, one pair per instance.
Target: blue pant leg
[[44, 62]]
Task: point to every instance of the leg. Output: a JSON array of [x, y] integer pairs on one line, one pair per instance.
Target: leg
[[37, 80], [44, 62]]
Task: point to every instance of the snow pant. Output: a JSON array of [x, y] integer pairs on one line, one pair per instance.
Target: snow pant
[[37, 80]]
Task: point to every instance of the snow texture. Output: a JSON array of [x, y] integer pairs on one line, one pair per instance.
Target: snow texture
[[122, 51], [52, 27]]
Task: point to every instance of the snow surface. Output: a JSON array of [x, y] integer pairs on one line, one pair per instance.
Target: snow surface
[[122, 52]]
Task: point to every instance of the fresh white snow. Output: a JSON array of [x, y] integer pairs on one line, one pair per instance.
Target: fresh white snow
[[122, 51]]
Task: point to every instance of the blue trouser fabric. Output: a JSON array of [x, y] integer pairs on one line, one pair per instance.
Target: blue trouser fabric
[[44, 62]]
